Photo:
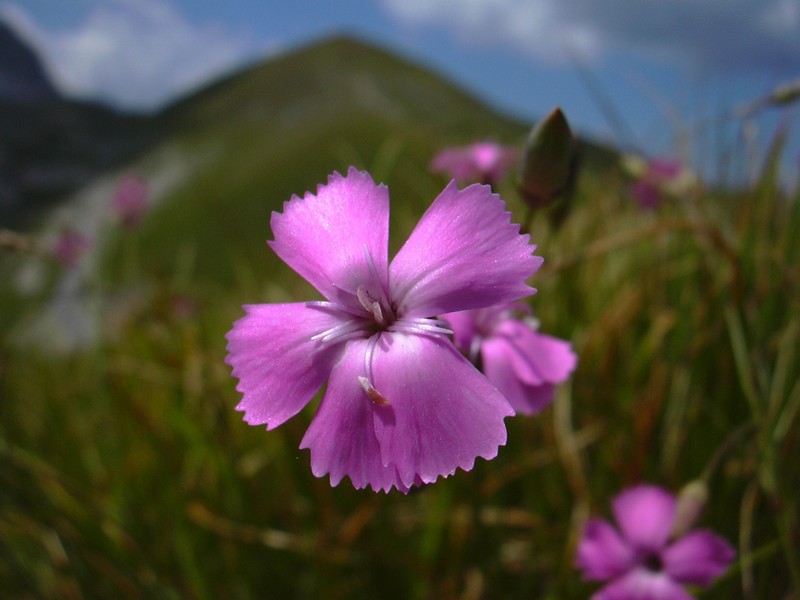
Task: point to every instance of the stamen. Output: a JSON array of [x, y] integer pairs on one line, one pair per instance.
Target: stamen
[[384, 299], [370, 391], [366, 382], [373, 341], [340, 332], [421, 326], [377, 313], [428, 321], [371, 305], [364, 299]]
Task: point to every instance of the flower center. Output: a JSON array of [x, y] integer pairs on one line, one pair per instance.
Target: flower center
[[652, 562], [373, 314], [379, 309]]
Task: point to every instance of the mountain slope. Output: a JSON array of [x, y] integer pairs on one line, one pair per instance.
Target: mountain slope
[[219, 161], [280, 127], [334, 76], [22, 78]]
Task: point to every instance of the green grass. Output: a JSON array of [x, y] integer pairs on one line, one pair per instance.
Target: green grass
[[125, 470]]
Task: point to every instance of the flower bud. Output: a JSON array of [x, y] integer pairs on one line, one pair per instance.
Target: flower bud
[[690, 503], [548, 162]]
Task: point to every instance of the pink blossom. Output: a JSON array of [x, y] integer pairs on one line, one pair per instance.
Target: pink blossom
[[131, 200], [522, 363], [660, 177], [483, 162], [402, 406], [642, 559], [70, 247]]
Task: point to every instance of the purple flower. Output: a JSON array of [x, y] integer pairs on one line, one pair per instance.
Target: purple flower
[[484, 162], [402, 405], [522, 363], [642, 560], [70, 247], [131, 200]]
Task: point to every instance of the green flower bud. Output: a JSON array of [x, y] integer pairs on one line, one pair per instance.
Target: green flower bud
[[548, 162]]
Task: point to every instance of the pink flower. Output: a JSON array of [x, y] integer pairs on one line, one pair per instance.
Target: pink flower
[[402, 405], [642, 560], [522, 363], [131, 200], [483, 162], [660, 177], [70, 247]]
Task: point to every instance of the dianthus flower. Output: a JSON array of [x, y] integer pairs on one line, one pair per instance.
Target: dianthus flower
[[131, 200], [70, 247], [505, 343], [482, 162], [657, 179], [402, 406], [644, 560]]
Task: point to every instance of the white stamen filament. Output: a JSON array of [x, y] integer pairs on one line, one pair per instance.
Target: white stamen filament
[[384, 299], [366, 382], [339, 333], [421, 326]]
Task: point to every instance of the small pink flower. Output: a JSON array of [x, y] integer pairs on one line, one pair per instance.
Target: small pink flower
[[642, 560], [481, 162], [131, 200], [402, 406], [660, 178], [70, 247], [522, 363]]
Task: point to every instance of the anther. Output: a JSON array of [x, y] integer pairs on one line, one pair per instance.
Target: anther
[[370, 305], [364, 298], [370, 391]]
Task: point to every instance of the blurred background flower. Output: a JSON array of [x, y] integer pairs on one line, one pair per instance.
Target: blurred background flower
[[481, 162]]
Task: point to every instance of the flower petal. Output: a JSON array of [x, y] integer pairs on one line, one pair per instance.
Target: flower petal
[[524, 364], [602, 553], [454, 161], [645, 515], [525, 398], [278, 366], [536, 358], [326, 237], [641, 584], [342, 435], [464, 253], [442, 412], [698, 558], [464, 326]]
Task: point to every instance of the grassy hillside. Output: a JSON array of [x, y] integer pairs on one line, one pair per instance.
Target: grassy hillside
[[126, 472], [282, 127]]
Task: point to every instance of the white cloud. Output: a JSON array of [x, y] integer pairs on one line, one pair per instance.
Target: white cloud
[[133, 53], [730, 34], [535, 25]]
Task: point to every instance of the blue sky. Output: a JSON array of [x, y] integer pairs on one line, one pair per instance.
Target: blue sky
[[643, 74]]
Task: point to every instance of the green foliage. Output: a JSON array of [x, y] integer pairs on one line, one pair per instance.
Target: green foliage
[[126, 472]]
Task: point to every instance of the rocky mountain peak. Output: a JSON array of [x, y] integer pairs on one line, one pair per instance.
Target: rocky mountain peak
[[22, 77]]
